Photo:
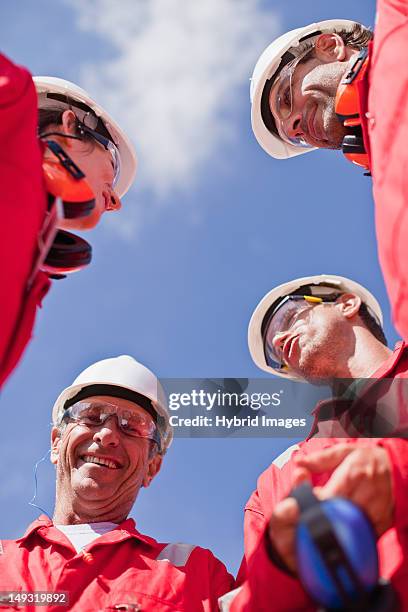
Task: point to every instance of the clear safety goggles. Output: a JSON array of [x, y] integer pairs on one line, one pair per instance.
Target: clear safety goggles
[[283, 317], [94, 414], [108, 145], [281, 97]]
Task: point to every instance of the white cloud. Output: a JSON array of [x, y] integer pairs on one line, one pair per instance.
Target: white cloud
[[174, 77]]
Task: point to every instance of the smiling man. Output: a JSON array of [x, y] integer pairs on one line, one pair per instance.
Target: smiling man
[[295, 85], [335, 84], [328, 329], [110, 433]]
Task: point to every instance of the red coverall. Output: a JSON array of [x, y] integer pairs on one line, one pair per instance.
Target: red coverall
[[263, 585], [22, 208], [120, 568], [387, 131]]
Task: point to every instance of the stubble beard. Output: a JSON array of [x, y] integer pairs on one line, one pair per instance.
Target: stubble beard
[[334, 129], [317, 362]]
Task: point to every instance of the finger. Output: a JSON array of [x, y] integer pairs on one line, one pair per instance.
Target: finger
[[373, 503], [286, 513], [282, 530], [300, 475], [327, 459], [341, 483], [358, 474]]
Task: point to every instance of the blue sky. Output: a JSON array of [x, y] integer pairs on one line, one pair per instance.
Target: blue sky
[[210, 226]]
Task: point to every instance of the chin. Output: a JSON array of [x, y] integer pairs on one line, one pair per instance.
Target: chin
[[314, 369], [81, 223], [335, 132], [330, 145], [92, 490]]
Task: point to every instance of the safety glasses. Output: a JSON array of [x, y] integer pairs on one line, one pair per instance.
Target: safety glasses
[[289, 310], [90, 123], [281, 99], [94, 414], [108, 145]]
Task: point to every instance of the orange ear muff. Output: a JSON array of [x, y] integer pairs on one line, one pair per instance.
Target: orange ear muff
[[63, 179], [61, 252], [348, 111]]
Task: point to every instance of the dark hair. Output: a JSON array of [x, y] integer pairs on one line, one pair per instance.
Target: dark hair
[[53, 116], [371, 324]]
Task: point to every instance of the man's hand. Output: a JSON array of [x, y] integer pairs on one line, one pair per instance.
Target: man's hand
[[359, 473]]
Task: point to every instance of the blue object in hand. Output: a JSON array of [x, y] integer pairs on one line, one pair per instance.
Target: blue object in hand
[[336, 551]]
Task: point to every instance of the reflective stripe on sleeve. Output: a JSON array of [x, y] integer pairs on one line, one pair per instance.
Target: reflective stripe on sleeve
[[284, 457], [224, 602], [177, 554]]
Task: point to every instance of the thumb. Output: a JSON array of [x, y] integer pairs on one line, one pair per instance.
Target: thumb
[[327, 459]]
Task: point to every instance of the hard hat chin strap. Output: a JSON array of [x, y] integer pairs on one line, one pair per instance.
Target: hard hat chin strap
[[348, 110]]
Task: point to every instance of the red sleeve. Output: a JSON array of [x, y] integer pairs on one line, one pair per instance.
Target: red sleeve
[[208, 580], [269, 588], [398, 452], [221, 582], [22, 210], [388, 132], [262, 585]]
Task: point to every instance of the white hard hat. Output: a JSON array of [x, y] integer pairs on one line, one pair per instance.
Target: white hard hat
[[344, 285], [120, 375], [266, 67], [60, 87]]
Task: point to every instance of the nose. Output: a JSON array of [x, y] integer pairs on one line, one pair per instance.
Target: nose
[[293, 125], [108, 434], [112, 200], [279, 340]]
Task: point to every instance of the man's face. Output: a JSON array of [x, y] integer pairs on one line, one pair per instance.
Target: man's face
[[99, 467], [311, 345], [302, 102], [97, 165]]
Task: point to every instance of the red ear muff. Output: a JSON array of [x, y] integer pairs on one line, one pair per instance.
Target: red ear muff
[[348, 111], [64, 180], [68, 253]]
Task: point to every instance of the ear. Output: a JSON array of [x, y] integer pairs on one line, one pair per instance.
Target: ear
[[330, 47], [69, 122], [55, 444], [153, 469], [349, 304]]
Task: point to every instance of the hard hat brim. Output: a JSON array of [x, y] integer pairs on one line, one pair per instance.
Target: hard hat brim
[[73, 390]]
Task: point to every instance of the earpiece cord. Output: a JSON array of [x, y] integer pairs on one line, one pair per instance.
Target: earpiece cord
[[32, 501]]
